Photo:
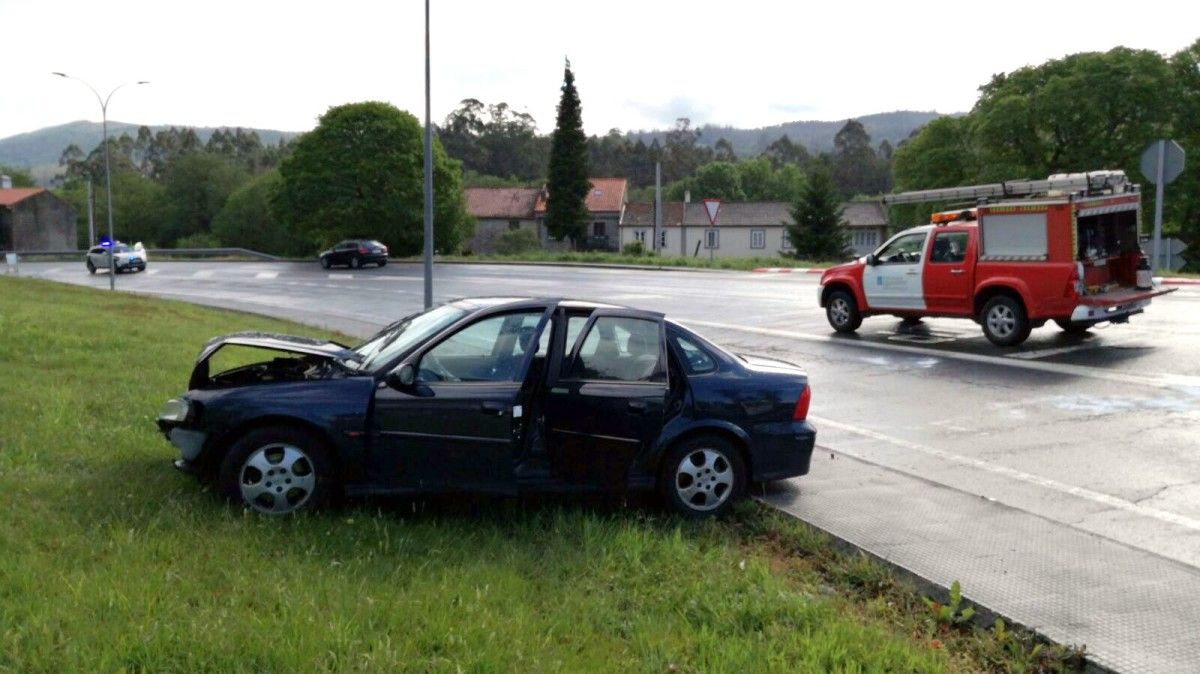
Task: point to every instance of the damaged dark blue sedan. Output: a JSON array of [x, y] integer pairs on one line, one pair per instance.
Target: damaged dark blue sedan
[[496, 395]]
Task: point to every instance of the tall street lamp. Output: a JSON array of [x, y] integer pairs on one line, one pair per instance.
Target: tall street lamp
[[112, 258]]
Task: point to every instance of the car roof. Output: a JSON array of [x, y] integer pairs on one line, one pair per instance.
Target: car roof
[[480, 303]]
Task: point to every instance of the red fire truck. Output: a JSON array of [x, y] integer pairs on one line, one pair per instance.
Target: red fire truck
[[1063, 249]]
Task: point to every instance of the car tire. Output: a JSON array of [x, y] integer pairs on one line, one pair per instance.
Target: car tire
[[382, 263], [277, 470], [1072, 328], [355, 263], [91, 267], [1004, 321], [841, 310], [702, 477], [325, 263]]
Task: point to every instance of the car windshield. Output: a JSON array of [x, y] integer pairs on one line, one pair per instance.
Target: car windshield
[[375, 244], [121, 248], [404, 334]]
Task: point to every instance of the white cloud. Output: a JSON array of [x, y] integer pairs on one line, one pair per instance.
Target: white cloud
[[639, 64]]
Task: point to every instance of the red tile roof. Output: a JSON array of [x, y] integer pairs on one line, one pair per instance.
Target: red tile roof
[[13, 195], [507, 203], [606, 196]]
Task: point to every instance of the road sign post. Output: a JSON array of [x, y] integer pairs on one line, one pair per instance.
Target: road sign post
[[1162, 162]]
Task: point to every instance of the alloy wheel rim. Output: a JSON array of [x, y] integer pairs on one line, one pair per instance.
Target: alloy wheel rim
[[276, 479], [1001, 321], [704, 479], [839, 311]]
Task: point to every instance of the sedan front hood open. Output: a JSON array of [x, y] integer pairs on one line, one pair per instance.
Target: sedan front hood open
[[275, 342]]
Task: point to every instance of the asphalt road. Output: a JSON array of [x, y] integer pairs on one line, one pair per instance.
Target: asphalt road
[[1096, 438]]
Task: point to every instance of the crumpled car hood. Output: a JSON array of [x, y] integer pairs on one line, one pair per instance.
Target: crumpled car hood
[[267, 340]]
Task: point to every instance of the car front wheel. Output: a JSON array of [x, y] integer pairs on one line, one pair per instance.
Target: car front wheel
[[702, 477], [841, 310], [355, 263], [277, 470], [91, 267], [325, 263]]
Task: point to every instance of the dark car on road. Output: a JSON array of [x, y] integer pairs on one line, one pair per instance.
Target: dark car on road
[[494, 395], [355, 253]]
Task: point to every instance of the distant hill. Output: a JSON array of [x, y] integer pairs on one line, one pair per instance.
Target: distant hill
[[39, 151], [817, 136]]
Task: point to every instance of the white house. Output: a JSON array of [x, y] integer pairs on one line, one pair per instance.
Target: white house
[[743, 229]]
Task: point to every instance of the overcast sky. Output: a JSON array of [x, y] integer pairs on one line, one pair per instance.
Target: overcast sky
[[638, 64]]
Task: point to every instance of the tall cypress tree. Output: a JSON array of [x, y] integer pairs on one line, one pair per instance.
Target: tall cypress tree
[[816, 230], [567, 182]]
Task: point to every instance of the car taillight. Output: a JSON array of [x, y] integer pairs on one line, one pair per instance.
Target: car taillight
[[363, 250], [801, 411]]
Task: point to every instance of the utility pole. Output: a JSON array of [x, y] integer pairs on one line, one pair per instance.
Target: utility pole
[[91, 215], [428, 177], [657, 207]]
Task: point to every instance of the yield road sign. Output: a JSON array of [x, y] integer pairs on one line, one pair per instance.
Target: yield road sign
[[1172, 161], [712, 207]]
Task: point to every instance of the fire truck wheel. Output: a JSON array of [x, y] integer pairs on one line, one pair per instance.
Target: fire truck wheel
[[1072, 328], [1004, 321], [842, 311]]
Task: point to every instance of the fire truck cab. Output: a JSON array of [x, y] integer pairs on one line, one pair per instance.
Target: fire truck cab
[[1067, 252]]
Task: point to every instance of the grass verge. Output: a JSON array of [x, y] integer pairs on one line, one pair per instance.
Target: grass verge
[[111, 561]]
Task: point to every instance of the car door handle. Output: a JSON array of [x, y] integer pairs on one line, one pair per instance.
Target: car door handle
[[958, 271], [492, 408], [636, 406], [912, 273]]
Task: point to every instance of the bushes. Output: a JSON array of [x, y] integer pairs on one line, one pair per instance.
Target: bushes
[[517, 241]]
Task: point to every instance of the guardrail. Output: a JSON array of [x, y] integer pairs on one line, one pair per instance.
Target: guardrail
[[168, 252]]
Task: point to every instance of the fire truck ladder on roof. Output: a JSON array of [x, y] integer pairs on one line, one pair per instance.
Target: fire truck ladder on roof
[[1111, 182]]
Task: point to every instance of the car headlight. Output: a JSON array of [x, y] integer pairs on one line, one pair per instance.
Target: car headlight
[[175, 409]]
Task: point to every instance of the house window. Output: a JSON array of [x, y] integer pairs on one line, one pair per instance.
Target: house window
[[598, 229], [865, 239], [758, 238], [640, 235], [514, 224], [786, 244], [662, 239], [712, 238]]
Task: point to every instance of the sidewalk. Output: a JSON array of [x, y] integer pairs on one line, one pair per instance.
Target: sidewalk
[[1133, 611]]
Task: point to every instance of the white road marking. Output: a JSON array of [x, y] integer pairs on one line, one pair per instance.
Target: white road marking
[[1107, 500], [396, 278], [1162, 380], [636, 296], [204, 273], [152, 272], [342, 276], [54, 270], [266, 274], [1045, 353]]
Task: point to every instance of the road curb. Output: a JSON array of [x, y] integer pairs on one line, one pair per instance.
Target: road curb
[[1179, 281], [787, 270]]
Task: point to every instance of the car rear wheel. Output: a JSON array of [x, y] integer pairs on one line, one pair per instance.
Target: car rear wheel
[[91, 267], [277, 470], [382, 263], [841, 310], [1004, 321], [355, 263], [702, 477], [1072, 328]]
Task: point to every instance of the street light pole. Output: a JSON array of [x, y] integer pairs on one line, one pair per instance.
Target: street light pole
[[112, 258], [428, 177]]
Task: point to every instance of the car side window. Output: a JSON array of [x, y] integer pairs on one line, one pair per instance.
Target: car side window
[[695, 359], [904, 250], [619, 348], [491, 349], [949, 247]]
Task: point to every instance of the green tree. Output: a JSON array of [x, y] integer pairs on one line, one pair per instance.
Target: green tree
[[360, 174], [197, 186], [816, 229], [138, 207], [246, 220], [783, 151], [20, 177], [856, 168], [567, 182], [717, 180]]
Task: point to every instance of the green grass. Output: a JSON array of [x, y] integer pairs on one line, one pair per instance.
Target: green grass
[[111, 561], [702, 262]]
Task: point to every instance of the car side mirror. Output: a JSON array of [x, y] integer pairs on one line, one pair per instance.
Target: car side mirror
[[402, 377], [871, 261]]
